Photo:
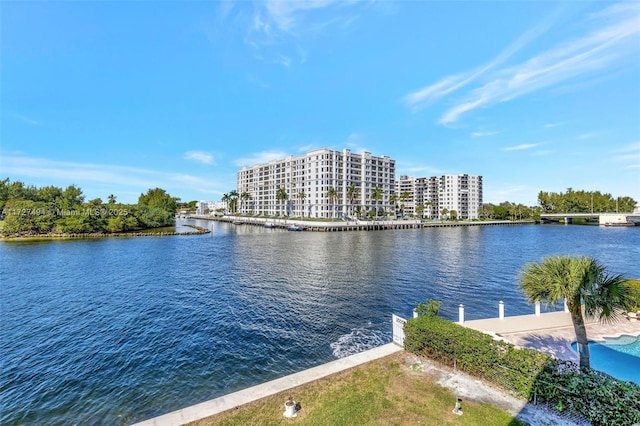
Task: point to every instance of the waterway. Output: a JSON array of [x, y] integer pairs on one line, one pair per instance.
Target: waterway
[[113, 331]]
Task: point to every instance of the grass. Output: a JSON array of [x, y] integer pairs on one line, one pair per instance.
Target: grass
[[382, 392]]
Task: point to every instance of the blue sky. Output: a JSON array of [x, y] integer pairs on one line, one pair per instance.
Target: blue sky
[[120, 97]]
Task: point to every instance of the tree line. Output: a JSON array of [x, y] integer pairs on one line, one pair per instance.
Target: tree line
[[584, 202], [29, 210]]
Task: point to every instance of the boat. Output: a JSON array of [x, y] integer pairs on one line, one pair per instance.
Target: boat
[[295, 228], [270, 225], [237, 222]]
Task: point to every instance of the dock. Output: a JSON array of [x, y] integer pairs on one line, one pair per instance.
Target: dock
[[350, 225]]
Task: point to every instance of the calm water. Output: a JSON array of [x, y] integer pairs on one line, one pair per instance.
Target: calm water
[[113, 331]]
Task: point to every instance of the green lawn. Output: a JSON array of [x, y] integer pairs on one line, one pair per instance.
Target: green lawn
[[382, 392]]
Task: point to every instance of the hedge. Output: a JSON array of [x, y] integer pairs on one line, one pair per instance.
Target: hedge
[[532, 375]]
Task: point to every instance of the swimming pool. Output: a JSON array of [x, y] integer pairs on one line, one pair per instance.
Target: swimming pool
[[619, 357]]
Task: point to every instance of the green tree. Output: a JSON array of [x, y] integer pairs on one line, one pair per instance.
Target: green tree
[[74, 222], [376, 195], [579, 280], [27, 217], [71, 197], [154, 217], [487, 211], [111, 199], [159, 198], [404, 196], [420, 210], [393, 199], [431, 308], [121, 223], [281, 196], [233, 201]]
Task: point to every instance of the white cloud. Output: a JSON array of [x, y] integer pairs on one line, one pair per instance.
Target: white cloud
[[609, 45], [632, 147], [427, 95], [629, 157], [483, 134], [586, 136], [260, 158], [551, 125], [521, 147], [307, 148], [287, 15], [630, 153], [199, 156], [421, 171], [278, 26], [27, 120], [120, 179]]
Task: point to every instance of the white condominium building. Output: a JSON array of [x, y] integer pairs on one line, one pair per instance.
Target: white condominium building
[[435, 195], [321, 183]]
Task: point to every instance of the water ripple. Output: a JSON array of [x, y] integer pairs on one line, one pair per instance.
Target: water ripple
[[117, 331]]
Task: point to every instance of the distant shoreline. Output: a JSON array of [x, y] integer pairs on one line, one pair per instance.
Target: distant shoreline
[[94, 235]]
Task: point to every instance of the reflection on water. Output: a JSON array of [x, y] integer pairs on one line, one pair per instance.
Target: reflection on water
[[119, 330]]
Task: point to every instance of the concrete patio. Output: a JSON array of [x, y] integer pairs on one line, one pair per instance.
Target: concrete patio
[[551, 332]]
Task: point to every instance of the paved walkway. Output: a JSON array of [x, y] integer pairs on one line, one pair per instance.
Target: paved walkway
[[551, 332], [227, 402], [522, 323], [557, 341]]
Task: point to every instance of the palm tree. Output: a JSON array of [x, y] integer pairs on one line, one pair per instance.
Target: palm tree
[[352, 194], [376, 194], [281, 195], [429, 206], [244, 197], [301, 196], [112, 199], [233, 201], [392, 200], [332, 196], [225, 200], [580, 280], [403, 199]]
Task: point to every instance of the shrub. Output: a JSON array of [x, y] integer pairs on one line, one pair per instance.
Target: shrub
[[475, 353], [633, 286], [602, 399]]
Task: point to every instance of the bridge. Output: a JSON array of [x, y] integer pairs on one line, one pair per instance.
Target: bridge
[[604, 219]]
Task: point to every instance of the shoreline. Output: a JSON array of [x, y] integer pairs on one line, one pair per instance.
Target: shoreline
[[97, 235], [350, 225]]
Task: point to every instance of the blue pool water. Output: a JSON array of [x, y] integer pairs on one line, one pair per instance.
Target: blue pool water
[[619, 357]]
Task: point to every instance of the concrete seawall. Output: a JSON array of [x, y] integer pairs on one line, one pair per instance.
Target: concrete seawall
[[254, 393], [351, 225]]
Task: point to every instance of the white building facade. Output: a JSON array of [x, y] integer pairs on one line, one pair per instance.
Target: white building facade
[[440, 196], [322, 184]]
